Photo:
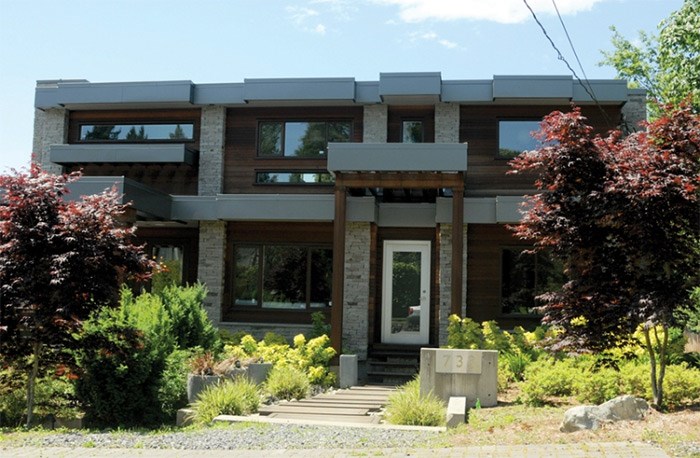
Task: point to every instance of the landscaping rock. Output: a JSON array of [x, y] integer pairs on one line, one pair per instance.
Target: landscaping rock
[[591, 417]]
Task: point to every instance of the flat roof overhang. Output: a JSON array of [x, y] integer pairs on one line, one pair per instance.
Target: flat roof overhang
[[146, 201], [397, 157], [176, 153]]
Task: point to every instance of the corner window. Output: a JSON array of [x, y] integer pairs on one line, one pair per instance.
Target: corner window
[[294, 178], [300, 139], [136, 132], [282, 276], [514, 137], [412, 131], [524, 276]]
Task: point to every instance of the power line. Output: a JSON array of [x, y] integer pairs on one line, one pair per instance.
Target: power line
[[573, 49], [561, 57]]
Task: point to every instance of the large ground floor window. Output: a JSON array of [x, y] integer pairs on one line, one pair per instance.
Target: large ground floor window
[[281, 276], [524, 276]]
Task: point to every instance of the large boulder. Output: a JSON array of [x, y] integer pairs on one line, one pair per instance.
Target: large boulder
[[591, 417]]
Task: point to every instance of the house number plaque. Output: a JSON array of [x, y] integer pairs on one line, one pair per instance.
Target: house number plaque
[[457, 362]]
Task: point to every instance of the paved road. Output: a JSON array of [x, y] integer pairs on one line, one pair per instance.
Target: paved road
[[585, 450]]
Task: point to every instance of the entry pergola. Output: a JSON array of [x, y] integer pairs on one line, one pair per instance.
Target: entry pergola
[[395, 166]]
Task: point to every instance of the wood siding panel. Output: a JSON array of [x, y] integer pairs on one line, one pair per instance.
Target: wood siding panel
[[484, 244], [486, 174], [168, 178], [241, 161]]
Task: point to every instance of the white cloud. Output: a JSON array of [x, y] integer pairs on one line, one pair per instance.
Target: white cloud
[[320, 29], [448, 44], [433, 37], [300, 14], [503, 11]]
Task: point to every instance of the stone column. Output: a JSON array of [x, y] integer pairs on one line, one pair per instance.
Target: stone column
[[50, 128], [446, 123], [211, 150], [445, 273], [635, 110], [375, 124], [212, 251], [355, 303]]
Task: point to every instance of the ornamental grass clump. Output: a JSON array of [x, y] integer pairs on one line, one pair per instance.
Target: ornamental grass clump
[[239, 396], [408, 407], [287, 382]]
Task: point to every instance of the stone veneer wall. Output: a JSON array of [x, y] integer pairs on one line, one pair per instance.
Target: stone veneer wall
[[446, 123], [446, 279], [374, 124], [212, 249], [356, 301], [211, 150], [635, 110], [50, 128]]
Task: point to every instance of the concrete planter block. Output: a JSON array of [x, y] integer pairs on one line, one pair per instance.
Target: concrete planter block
[[472, 374], [198, 383], [258, 372], [348, 371], [184, 417]]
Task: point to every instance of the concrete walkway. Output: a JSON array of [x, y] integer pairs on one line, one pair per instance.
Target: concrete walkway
[[585, 450]]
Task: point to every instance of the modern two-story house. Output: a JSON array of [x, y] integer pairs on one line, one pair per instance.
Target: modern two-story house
[[382, 204]]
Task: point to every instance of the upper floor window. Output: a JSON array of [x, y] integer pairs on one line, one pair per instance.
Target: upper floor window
[[514, 137], [525, 275], [412, 131], [137, 132], [300, 138]]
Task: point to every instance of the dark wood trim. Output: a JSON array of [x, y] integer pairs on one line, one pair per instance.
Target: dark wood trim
[[337, 294], [457, 247], [420, 180]]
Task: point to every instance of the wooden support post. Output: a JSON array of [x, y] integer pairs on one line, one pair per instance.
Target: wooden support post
[[457, 247], [338, 264]]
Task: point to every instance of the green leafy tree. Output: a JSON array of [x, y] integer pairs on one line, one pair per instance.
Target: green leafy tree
[[667, 66], [623, 216], [59, 260]]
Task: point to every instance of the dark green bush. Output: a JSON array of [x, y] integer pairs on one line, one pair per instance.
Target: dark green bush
[[190, 323], [119, 372]]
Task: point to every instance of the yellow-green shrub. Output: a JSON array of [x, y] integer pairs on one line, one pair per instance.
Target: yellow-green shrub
[[287, 382], [408, 407], [239, 396]]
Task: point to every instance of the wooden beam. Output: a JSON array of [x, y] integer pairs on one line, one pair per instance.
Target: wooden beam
[[338, 265], [402, 180], [457, 246]]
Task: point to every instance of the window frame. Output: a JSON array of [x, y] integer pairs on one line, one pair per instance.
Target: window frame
[[284, 121], [260, 281], [422, 128], [284, 183], [189, 122], [521, 248], [498, 154]]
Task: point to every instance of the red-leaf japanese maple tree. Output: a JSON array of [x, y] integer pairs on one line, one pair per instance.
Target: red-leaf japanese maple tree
[[59, 260], [623, 214]]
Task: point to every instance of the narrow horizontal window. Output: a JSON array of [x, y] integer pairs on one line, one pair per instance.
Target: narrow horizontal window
[[294, 178], [514, 137], [300, 138], [136, 132]]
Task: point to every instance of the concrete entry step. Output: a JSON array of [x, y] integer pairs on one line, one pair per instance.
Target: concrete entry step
[[333, 405], [367, 419], [312, 410]]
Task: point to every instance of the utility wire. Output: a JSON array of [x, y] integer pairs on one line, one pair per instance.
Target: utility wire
[[571, 43], [561, 57]]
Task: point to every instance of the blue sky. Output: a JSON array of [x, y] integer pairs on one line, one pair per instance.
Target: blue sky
[[210, 41]]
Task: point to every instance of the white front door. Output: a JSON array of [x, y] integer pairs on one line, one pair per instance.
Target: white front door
[[406, 292]]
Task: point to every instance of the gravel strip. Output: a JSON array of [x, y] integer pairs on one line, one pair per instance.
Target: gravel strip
[[253, 437]]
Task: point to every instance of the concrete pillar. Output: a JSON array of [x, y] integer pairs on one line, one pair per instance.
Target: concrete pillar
[[211, 150], [445, 273], [375, 124], [446, 123], [634, 111], [356, 288], [50, 128], [212, 252]]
